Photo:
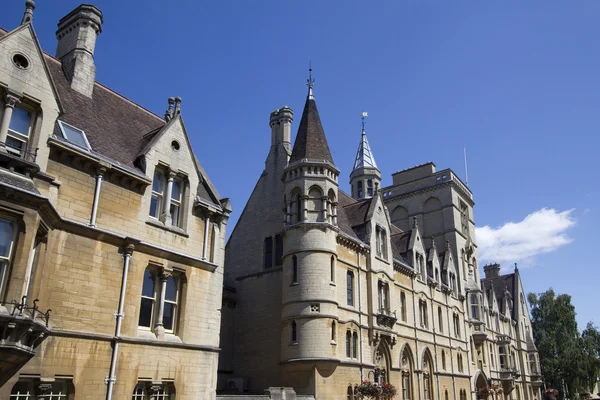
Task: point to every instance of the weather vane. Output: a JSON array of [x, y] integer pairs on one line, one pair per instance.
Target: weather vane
[[310, 81], [364, 115]]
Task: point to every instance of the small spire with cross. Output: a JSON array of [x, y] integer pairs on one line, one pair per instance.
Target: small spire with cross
[[310, 82]]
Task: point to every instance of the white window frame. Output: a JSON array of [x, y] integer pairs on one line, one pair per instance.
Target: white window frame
[[18, 135], [6, 261], [154, 274], [158, 195], [62, 124], [177, 280], [177, 203]]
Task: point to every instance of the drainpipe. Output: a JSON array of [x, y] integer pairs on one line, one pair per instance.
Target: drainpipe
[[360, 317], [110, 379], [206, 229], [99, 176]]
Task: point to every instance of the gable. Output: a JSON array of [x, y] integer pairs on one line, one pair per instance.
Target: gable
[[34, 80]]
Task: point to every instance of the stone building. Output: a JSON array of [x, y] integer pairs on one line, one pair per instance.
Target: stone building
[[324, 289], [108, 220]]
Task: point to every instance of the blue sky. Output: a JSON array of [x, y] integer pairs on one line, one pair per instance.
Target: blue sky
[[516, 83]]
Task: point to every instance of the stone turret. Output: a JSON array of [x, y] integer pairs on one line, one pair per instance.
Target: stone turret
[[76, 34], [310, 247], [365, 177]]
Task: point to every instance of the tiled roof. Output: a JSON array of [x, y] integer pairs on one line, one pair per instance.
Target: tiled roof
[[357, 212], [364, 156], [310, 141], [500, 282], [343, 220], [114, 125]]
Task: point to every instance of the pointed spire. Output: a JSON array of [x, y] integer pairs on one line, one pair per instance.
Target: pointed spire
[[311, 142], [28, 16], [364, 156]]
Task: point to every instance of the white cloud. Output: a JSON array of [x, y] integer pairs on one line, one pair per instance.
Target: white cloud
[[540, 232]]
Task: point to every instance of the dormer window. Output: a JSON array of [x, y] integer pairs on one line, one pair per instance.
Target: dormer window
[[168, 194], [18, 131], [74, 135]]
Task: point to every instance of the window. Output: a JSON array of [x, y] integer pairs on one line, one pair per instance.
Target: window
[[154, 311], [446, 395], [492, 355], [350, 394], [332, 273], [383, 290], [294, 269], [278, 250], [268, 249], [299, 217], [532, 364], [176, 193], [359, 191], [443, 359], [74, 135], [370, 188], [26, 390], [464, 219], [348, 344], [502, 353], [18, 131], [7, 239], [421, 273], [333, 331], [453, 283], [403, 306], [440, 320], [405, 386], [381, 242], [148, 299], [475, 307], [355, 345], [152, 391], [423, 313], [460, 362], [294, 334], [170, 305], [456, 321], [158, 187], [350, 288], [163, 205]]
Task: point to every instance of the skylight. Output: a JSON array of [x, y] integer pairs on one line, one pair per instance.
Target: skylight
[[74, 135]]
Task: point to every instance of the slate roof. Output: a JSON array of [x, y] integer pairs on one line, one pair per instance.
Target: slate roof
[[343, 221], [16, 180], [117, 128], [364, 156], [310, 140], [500, 283]]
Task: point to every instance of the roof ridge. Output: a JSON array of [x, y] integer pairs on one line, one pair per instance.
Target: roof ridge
[[52, 58]]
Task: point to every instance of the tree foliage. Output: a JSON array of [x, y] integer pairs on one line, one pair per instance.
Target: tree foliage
[[570, 361]]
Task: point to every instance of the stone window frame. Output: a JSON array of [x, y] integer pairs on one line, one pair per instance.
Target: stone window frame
[[158, 275], [403, 314], [381, 242], [151, 390], [355, 345], [440, 319], [6, 262], [383, 297], [350, 288], [15, 101], [168, 176], [423, 317], [56, 389]]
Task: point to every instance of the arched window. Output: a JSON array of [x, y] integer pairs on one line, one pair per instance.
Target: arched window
[[446, 395], [348, 344], [370, 187], [440, 320], [427, 377], [443, 360], [350, 288], [355, 345], [294, 269], [299, 217], [315, 204], [294, 333], [139, 392], [407, 372], [350, 393], [332, 272], [333, 331], [359, 190], [403, 306]]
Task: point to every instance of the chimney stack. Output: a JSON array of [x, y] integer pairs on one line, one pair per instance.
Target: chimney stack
[[280, 122], [76, 34], [492, 270]]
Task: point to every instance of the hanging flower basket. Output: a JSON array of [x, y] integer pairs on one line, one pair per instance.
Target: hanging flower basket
[[370, 390]]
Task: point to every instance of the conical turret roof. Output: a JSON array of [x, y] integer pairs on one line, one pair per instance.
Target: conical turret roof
[[364, 156], [310, 140]]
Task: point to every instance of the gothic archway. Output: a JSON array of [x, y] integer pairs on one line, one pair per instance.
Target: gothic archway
[[427, 367], [407, 366], [382, 363]]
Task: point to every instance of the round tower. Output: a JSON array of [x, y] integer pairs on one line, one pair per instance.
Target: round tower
[[309, 305], [365, 178]]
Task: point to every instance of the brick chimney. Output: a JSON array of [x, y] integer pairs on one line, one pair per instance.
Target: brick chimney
[[76, 35], [492, 270]]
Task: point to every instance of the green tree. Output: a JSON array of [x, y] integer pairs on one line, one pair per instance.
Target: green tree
[[590, 346], [558, 341]]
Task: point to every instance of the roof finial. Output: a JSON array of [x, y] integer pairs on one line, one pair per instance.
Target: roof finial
[[310, 82], [169, 112], [516, 268], [415, 222], [364, 115], [28, 16]]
